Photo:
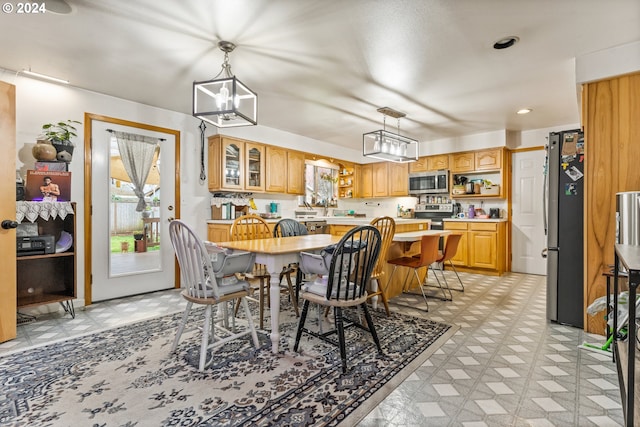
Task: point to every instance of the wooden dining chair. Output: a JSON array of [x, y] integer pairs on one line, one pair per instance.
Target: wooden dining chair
[[428, 255], [353, 259], [203, 287], [387, 228], [250, 227], [451, 245]]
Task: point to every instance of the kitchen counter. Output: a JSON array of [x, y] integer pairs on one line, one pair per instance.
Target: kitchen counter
[[475, 219], [333, 220]]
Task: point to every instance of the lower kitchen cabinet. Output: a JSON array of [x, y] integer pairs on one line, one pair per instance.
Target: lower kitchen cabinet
[[482, 248], [221, 232], [460, 258]]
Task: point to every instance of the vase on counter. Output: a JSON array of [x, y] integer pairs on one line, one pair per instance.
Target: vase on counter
[[472, 211], [44, 151]]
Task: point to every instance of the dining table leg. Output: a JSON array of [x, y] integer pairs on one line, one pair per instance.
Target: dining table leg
[[275, 309], [274, 264]]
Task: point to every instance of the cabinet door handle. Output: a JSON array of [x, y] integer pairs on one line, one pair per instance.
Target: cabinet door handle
[[8, 224]]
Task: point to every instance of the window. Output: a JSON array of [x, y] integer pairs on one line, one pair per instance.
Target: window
[[321, 183]]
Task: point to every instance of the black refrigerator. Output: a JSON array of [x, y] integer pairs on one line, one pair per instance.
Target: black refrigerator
[[564, 196]]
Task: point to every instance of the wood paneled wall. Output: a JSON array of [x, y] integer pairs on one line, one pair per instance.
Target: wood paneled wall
[[611, 120]]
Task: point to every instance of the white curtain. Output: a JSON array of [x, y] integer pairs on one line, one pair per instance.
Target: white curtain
[[136, 152]]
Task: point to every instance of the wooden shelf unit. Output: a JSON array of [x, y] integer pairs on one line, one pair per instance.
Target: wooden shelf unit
[[49, 278]]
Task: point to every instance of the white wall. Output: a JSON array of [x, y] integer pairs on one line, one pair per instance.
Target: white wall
[[614, 61]]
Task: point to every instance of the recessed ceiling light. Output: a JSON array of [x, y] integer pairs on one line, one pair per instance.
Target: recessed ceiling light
[[524, 111], [506, 42], [61, 7]]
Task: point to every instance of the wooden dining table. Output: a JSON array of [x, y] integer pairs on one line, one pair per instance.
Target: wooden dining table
[[276, 253]]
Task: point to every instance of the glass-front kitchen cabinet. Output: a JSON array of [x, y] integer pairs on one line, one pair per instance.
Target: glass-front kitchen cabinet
[[235, 164]]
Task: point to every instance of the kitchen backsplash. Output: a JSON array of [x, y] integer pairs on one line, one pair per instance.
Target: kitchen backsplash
[[370, 207]]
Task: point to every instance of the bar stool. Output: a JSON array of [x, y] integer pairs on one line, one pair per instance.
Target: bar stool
[[428, 255], [449, 251]]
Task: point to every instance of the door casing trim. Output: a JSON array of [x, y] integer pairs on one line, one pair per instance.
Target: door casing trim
[[89, 118]]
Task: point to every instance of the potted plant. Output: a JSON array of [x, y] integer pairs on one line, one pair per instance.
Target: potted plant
[[59, 135], [138, 235]]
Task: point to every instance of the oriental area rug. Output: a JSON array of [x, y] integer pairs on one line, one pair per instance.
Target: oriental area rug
[[127, 376]]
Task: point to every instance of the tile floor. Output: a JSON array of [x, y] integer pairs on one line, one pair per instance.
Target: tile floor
[[506, 366]]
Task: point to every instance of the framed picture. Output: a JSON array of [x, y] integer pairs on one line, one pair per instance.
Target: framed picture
[[48, 186]]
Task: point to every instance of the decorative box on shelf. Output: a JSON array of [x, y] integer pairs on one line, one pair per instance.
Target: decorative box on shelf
[[492, 190]]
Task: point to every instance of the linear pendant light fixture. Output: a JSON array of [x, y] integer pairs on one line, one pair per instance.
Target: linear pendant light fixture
[[44, 76], [225, 101], [385, 145]]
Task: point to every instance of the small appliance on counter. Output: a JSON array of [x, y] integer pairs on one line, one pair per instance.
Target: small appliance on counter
[[494, 213]]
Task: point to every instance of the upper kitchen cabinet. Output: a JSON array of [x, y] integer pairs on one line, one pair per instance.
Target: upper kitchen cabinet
[[295, 172], [366, 177], [430, 163], [420, 165], [255, 167], [277, 169], [385, 179], [462, 162], [488, 159], [492, 165], [435, 163], [398, 179], [226, 163], [380, 179], [285, 171]]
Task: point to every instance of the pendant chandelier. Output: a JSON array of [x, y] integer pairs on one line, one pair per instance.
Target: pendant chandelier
[[385, 145], [225, 101]]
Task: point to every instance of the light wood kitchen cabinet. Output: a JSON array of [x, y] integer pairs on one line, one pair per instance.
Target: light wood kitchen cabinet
[[295, 172], [488, 159], [462, 162], [218, 232], [492, 165], [380, 181], [398, 179], [460, 258], [226, 163], [276, 170], [254, 166], [420, 165], [438, 162], [235, 164], [366, 174], [430, 163], [221, 232], [482, 248]]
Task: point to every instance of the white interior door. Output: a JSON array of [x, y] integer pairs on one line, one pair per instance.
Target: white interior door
[[121, 266], [527, 225]]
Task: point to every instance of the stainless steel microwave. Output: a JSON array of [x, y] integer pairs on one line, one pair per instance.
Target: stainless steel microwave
[[429, 182]]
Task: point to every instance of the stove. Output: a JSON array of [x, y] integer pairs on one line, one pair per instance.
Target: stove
[[435, 212]]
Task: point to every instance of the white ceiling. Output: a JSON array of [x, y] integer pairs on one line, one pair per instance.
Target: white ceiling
[[321, 68]]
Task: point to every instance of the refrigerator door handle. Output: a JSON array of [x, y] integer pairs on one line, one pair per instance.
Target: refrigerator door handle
[[545, 184]]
